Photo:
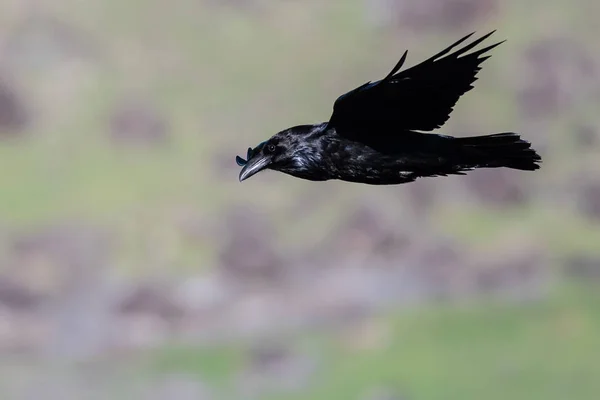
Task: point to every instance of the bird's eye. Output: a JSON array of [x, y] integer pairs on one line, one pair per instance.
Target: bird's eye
[[271, 148]]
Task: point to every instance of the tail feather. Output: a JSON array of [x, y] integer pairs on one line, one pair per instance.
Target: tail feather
[[498, 150]]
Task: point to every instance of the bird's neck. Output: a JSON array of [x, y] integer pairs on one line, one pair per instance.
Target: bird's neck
[[309, 159]]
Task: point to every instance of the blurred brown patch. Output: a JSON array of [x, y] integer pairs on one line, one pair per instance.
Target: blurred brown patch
[[440, 252], [498, 187], [52, 258], [541, 97], [177, 386], [246, 6], [444, 15], [421, 195], [193, 226], [582, 267], [586, 136], [66, 265], [558, 72], [248, 254], [510, 272], [60, 241], [17, 296], [367, 230], [137, 123], [440, 266], [13, 115], [267, 356], [589, 199], [151, 299], [273, 368], [224, 165], [43, 41]]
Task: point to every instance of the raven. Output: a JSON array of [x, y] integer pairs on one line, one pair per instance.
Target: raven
[[375, 133]]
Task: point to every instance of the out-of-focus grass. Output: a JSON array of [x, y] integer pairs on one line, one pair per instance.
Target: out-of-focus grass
[[562, 233], [540, 350], [215, 364]]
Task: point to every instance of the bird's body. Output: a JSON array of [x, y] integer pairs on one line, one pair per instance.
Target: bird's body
[[373, 135]]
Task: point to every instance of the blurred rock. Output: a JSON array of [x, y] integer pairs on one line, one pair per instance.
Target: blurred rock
[[151, 299], [73, 256], [583, 267], [137, 123], [57, 240], [56, 63], [498, 187], [193, 226], [23, 331], [441, 252], [587, 137], [243, 6], [367, 230], [520, 275], [179, 387], [248, 254], [16, 296], [49, 258], [589, 200], [41, 41], [428, 15], [140, 331], [13, 116], [422, 195], [275, 369], [268, 357], [541, 97], [558, 74], [546, 56], [439, 266]]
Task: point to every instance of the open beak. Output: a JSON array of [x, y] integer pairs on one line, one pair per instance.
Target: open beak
[[254, 166]]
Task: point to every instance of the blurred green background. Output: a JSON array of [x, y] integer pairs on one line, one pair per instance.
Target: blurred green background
[[134, 265]]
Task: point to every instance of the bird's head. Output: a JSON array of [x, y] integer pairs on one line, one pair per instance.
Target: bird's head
[[285, 152]]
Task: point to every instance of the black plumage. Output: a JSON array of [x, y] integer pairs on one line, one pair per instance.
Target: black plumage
[[375, 134]]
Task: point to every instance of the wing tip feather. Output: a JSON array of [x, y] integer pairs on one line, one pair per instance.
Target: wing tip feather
[[397, 67]]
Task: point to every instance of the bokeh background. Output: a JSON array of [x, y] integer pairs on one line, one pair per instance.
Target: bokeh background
[[134, 265]]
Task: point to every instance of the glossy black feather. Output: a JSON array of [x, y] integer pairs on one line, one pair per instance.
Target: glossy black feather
[[419, 98]]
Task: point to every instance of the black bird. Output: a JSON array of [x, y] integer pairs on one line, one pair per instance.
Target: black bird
[[374, 135]]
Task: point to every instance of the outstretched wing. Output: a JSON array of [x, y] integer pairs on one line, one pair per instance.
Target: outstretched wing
[[419, 98]]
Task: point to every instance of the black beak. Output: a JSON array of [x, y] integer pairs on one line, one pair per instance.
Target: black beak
[[254, 165]]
